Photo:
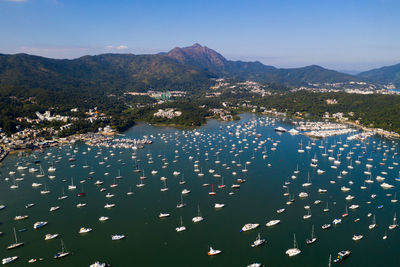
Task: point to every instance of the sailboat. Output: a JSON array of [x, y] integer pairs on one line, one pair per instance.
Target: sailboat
[[63, 252], [182, 181], [16, 244], [130, 192], [373, 225], [308, 215], [63, 196], [198, 218], [72, 186], [165, 188], [222, 183], [258, 241], [394, 200], [41, 172], [181, 205], [394, 224], [141, 184], [180, 228], [119, 175], [295, 250], [212, 193], [312, 239]]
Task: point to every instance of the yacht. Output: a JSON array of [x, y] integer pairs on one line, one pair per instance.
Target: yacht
[[109, 205], [117, 237], [163, 215], [103, 218], [50, 236], [9, 260], [55, 208], [20, 217], [272, 223], [84, 230], [303, 195], [38, 225], [295, 250], [213, 252], [249, 226], [81, 205], [357, 237], [280, 211], [343, 254], [337, 221], [218, 205], [326, 226]]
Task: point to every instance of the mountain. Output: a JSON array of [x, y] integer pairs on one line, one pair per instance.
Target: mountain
[[104, 73], [188, 68], [384, 75], [209, 60]]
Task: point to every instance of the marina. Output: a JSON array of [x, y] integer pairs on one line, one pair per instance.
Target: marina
[[121, 200]]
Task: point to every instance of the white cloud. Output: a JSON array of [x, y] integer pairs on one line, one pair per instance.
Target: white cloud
[[119, 47]]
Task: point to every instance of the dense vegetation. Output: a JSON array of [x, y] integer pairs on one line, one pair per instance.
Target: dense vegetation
[[384, 75], [378, 111]]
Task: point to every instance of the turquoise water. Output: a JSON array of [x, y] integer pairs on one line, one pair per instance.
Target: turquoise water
[[154, 242]]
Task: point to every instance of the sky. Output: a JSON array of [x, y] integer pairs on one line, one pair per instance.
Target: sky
[[336, 34]]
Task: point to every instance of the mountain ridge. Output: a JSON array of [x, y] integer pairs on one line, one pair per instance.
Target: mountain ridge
[[188, 68]]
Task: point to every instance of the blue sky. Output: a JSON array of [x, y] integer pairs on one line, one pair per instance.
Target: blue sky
[[337, 34]]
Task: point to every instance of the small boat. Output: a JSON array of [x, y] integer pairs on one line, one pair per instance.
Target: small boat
[[213, 252], [81, 205]]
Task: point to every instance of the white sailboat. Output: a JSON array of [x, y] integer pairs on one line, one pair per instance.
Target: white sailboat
[[16, 244], [180, 228], [313, 238], [295, 250], [198, 218]]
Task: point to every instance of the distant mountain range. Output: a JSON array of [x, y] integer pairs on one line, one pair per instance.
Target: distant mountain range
[[384, 75], [189, 68]]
